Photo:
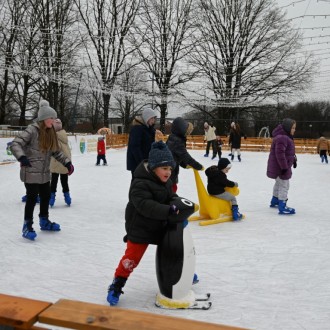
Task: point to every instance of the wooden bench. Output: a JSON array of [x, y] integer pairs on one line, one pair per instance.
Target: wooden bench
[[20, 313], [86, 316]]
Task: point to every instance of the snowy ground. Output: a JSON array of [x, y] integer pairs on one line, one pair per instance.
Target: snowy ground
[[265, 272]]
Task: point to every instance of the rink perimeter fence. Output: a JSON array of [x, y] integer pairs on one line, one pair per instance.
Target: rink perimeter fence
[[86, 144]]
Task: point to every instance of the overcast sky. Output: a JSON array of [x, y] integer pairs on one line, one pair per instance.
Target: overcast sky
[[312, 17]]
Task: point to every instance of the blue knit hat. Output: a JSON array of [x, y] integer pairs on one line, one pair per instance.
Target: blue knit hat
[[160, 155]]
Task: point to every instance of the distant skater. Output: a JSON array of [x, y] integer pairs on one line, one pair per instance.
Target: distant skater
[[101, 151], [323, 148]]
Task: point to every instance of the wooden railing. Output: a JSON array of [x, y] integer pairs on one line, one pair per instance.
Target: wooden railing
[[23, 313], [196, 142]]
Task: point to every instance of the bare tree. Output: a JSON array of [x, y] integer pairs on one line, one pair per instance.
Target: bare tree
[[11, 16], [248, 52], [164, 30], [107, 25], [130, 98]]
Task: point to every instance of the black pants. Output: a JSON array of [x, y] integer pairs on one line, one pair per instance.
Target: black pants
[[99, 157], [64, 182], [32, 191], [214, 148], [219, 152]]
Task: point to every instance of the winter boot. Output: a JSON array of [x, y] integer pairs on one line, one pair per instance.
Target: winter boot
[[52, 199], [115, 290], [232, 157], [326, 158], [214, 156], [206, 155], [239, 158], [27, 231], [67, 198], [274, 202], [322, 159], [236, 214], [283, 209], [45, 224], [195, 279]]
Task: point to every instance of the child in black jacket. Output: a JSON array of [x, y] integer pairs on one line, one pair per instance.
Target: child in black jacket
[[217, 182], [147, 213]]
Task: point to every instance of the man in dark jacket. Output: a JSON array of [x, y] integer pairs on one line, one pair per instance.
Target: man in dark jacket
[[141, 136], [176, 142]]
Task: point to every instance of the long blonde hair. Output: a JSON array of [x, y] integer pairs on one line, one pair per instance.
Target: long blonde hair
[[47, 138]]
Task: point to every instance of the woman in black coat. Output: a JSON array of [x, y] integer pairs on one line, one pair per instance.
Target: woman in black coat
[[176, 142], [141, 136]]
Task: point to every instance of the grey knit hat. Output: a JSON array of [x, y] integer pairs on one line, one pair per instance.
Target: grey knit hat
[[287, 124], [160, 155], [45, 111], [147, 114]]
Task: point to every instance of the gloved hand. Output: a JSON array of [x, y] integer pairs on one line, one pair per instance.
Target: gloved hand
[[24, 161], [173, 210], [295, 161], [70, 168], [284, 170]]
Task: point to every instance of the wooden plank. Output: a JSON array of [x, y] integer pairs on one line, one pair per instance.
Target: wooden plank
[[86, 316], [20, 313]]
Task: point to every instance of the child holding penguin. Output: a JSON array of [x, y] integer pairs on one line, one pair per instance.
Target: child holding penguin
[[148, 213]]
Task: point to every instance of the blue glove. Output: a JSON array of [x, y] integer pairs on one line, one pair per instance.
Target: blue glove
[[24, 161], [70, 168]]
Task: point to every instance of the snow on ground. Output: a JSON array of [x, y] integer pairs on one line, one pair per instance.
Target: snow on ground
[[265, 272]]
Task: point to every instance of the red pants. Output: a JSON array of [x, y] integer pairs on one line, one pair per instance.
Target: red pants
[[132, 257]]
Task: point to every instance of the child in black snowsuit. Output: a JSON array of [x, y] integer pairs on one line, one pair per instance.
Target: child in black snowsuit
[[147, 213], [217, 182]]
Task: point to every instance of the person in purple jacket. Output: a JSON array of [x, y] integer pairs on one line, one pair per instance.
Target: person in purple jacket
[[280, 161]]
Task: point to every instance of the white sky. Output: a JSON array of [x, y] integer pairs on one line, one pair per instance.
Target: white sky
[[265, 272], [312, 17]]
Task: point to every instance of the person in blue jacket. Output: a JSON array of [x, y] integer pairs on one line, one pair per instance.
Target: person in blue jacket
[[141, 137]]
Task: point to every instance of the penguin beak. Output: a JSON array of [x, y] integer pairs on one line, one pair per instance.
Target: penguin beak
[[196, 207]]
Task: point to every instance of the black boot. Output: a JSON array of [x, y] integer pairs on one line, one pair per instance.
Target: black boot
[[115, 290]]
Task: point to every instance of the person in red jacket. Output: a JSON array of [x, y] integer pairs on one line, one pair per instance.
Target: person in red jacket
[[101, 151]]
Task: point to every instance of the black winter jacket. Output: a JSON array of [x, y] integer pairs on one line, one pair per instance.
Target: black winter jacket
[[148, 208], [176, 142], [217, 181], [139, 143]]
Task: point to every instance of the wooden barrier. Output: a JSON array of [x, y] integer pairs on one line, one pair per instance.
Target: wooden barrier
[[23, 313], [80, 315], [20, 313], [196, 142]]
